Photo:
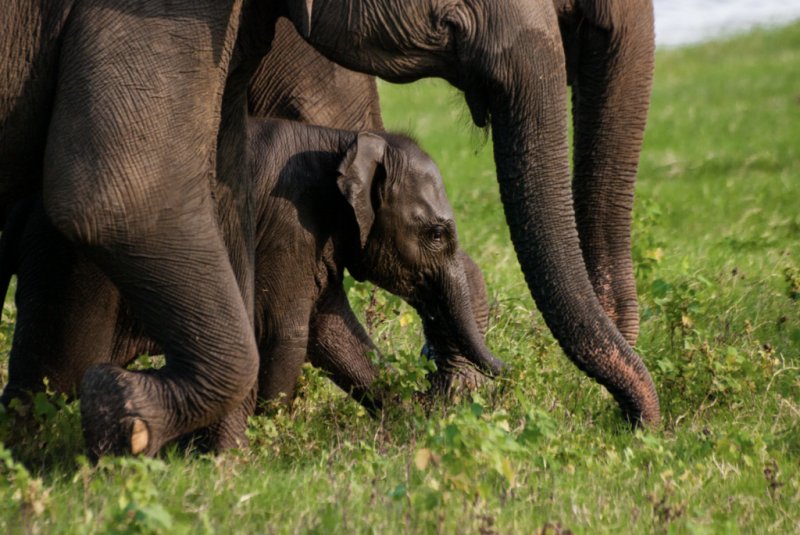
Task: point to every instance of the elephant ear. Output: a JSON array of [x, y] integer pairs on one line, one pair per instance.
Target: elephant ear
[[356, 175]]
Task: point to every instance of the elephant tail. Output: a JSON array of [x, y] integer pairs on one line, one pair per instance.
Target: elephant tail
[[11, 239]]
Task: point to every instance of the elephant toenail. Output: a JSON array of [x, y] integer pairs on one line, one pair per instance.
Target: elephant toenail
[[139, 436]]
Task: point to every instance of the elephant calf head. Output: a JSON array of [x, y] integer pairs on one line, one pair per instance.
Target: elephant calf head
[[409, 246]]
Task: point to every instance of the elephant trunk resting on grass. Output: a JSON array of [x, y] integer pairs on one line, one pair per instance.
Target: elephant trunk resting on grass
[[333, 199]]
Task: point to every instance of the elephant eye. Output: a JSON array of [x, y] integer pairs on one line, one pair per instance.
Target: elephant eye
[[437, 234]]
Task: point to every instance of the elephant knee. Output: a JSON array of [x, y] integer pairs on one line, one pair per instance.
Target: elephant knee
[[84, 217], [75, 226], [110, 201]]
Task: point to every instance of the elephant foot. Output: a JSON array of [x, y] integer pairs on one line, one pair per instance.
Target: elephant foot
[[17, 411], [113, 422], [454, 376]]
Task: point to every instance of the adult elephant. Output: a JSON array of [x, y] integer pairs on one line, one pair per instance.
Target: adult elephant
[[609, 64], [131, 119]]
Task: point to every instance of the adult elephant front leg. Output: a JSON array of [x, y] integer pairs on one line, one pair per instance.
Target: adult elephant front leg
[[610, 47], [130, 156]]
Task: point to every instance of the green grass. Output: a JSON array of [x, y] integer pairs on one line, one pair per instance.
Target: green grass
[[717, 244]]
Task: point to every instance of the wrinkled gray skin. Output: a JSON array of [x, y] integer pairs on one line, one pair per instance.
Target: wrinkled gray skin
[[294, 81], [301, 200], [608, 49], [130, 119]]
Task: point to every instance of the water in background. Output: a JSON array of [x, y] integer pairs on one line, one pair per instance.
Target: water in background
[[681, 22]]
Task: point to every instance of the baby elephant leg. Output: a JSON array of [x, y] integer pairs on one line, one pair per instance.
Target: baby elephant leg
[[282, 350], [339, 345]]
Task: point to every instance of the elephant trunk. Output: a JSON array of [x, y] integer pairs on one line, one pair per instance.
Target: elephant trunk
[[529, 124], [454, 372], [479, 300], [453, 337], [612, 66]]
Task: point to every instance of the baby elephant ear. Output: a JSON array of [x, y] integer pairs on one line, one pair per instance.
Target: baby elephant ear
[[356, 174]]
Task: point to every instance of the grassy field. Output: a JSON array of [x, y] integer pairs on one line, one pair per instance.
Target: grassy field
[[717, 246]]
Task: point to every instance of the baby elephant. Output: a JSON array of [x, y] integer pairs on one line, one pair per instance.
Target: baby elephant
[[324, 201]]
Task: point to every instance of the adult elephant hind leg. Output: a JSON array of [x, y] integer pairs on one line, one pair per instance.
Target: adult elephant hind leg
[[66, 312], [612, 68], [130, 157]]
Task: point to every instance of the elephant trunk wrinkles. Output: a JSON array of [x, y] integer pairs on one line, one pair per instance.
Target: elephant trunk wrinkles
[[613, 74], [530, 145], [450, 327]]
